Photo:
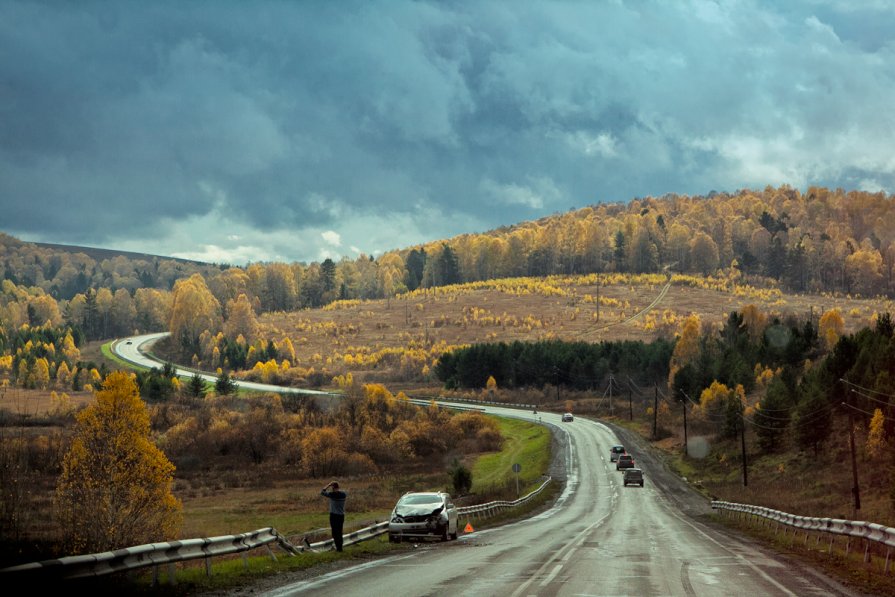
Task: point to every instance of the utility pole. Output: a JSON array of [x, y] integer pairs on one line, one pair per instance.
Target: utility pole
[[655, 409], [556, 380], [630, 406], [743, 444], [856, 491], [610, 396], [686, 440]]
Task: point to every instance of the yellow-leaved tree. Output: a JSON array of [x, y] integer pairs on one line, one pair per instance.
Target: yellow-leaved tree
[[876, 437], [115, 486], [831, 327], [686, 350]]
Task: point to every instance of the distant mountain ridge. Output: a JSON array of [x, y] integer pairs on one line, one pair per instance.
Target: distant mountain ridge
[[100, 254]]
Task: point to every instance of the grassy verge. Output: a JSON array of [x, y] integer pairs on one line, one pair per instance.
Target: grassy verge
[[526, 444]]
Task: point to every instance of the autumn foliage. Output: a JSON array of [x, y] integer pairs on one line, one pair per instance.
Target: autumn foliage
[[115, 486]]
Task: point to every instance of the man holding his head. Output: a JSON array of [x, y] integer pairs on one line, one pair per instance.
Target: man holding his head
[[337, 499]]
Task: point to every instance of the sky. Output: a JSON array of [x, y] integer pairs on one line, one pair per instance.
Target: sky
[[237, 132]]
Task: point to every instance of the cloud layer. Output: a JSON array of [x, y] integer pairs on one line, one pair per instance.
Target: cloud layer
[[298, 131]]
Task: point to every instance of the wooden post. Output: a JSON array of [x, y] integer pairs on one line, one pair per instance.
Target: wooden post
[[207, 566]]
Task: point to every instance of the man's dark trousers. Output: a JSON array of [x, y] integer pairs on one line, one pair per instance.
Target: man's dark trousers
[[336, 522]]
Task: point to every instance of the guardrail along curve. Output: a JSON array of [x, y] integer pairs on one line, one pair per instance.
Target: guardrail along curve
[[858, 529]]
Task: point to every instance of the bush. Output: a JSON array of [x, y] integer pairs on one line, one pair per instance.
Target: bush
[[461, 478]]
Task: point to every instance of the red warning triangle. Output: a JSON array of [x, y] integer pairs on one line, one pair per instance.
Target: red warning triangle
[[468, 528]]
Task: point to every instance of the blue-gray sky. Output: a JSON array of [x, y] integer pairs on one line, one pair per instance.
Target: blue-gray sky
[[294, 131]]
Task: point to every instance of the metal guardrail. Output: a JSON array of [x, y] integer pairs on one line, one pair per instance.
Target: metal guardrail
[[490, 508], [140, 556], [169, 553], [870, 531]]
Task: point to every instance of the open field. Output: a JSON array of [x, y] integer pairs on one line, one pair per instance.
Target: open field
[[587, 308]]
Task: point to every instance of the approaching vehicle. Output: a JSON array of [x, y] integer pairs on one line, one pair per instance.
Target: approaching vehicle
[[615, 452], [423, 515], [567, 418], [633, 476], [624, 461]]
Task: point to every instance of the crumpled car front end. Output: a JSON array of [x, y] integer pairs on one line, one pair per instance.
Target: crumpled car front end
[[417, 522]]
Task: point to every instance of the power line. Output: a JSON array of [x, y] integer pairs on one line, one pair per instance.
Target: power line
[[856, 409], [845, 381], [869, 397]]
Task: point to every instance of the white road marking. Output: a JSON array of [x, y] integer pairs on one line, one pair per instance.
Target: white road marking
[[552, 575]]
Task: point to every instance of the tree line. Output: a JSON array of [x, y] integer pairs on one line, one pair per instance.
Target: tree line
[[575, 365]]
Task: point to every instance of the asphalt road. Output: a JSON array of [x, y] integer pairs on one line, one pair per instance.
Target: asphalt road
[[599, 538], [135, 350]]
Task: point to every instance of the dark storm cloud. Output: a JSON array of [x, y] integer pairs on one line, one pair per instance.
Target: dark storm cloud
[[293, 130]]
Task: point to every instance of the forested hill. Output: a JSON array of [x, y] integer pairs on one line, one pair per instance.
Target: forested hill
[[817, 241], [63, 271], [820, 240]]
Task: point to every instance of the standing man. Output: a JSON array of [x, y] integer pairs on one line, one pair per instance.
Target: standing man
[[336, 511]]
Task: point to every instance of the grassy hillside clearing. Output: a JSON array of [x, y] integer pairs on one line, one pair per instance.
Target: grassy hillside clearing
[[390, 341]]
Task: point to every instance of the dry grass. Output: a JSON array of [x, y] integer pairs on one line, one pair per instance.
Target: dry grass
[[40, 403], [565, 309], [791, 480]]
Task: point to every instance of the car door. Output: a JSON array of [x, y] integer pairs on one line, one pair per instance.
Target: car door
[[452, 514]]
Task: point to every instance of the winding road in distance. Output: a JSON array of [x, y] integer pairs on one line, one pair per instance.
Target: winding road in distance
[[135, 351], [599, 538]]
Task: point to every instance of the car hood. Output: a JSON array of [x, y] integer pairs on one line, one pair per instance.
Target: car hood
[[419, 510]]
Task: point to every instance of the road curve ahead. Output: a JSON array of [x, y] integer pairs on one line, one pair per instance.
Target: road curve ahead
[[600, 538], [135, 349]]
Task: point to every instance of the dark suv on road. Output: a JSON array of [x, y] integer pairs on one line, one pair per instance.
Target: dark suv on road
[[633, 476]]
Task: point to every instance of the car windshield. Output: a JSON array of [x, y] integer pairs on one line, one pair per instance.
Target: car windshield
[[420, 498], [618, 449]]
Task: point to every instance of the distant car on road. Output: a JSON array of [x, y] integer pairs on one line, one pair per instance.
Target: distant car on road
[[128, 342], [633, 476], [624, 461], [615, 452], [423, 514], [567, 418]]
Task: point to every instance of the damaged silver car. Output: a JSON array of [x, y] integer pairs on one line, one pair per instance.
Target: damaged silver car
[[423, 515]]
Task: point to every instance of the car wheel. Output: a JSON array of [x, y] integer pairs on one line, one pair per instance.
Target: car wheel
[[394, 539], [453, 536]]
